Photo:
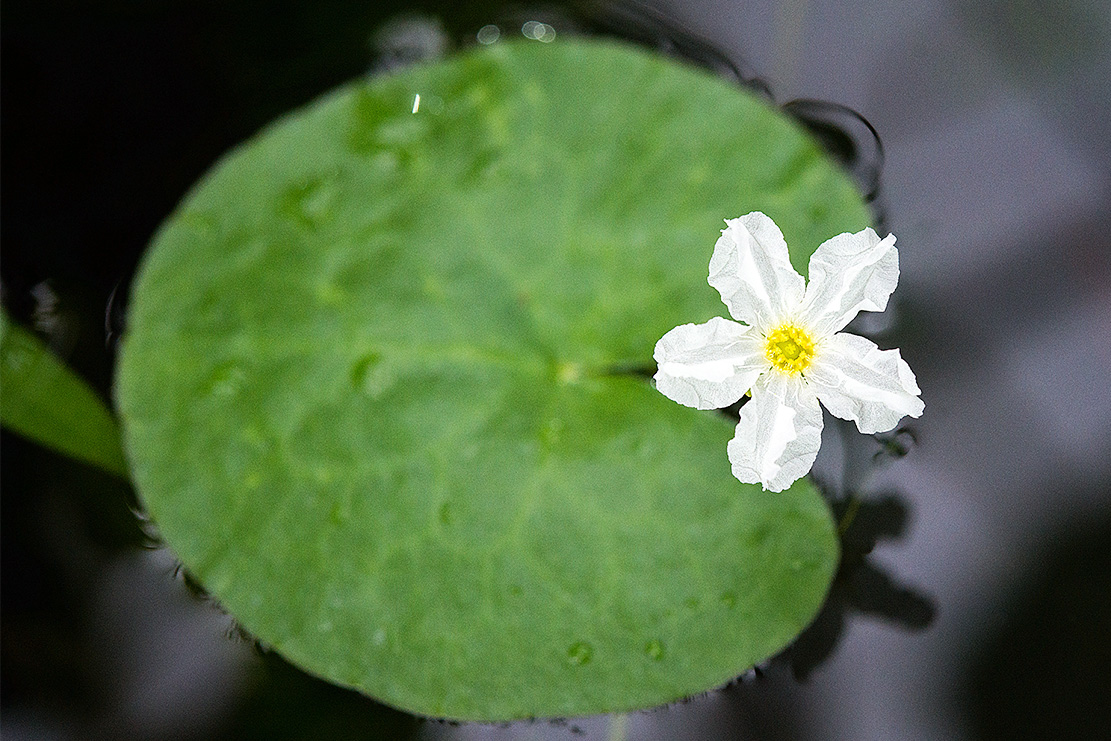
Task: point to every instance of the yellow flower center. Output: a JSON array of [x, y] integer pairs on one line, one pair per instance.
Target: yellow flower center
[[789, 349]]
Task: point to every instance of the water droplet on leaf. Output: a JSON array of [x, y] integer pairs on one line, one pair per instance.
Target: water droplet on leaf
[[370, 376], [310, 202], [654, 649], [580, 653], [225, 380], [362, 367]]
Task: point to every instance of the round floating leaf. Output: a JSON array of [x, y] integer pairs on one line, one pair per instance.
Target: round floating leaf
[[376, 385]]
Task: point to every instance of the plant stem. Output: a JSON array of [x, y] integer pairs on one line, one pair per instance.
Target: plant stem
[[619, 728]]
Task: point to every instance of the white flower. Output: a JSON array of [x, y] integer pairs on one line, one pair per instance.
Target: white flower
[[790, 351]]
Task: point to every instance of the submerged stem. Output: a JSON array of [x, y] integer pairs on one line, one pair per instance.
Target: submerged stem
[[618, 727]]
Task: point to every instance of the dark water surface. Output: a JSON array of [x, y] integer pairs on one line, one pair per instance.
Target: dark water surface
[[975, 594]]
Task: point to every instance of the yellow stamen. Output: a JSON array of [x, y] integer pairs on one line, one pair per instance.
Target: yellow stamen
[[790, 349]]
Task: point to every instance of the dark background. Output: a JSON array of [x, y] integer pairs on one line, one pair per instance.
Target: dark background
[[988, 615]]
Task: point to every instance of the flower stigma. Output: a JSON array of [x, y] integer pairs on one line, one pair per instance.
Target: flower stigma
[[789, 349]]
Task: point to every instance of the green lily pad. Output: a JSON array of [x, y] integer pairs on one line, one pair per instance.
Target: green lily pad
[[376, 391]]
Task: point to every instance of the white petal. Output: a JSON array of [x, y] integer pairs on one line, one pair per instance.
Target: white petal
[[751, 270], [849, 273], [779, 433], [708, 366], [858, 381]]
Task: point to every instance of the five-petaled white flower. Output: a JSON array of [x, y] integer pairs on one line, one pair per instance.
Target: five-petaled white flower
[[790, 351]]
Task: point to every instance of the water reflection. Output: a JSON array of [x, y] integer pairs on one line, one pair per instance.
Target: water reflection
[[861, 587], [407, 39], [647, 26], [849, 138]]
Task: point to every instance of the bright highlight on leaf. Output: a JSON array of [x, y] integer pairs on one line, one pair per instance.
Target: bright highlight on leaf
[[375, 391], [789, 351]]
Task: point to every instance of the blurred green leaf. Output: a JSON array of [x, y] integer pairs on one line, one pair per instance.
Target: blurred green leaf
[[375, 384], [47, 402]]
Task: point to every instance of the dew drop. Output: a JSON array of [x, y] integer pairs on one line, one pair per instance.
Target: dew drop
[[654, 649], [580, 653], [362, 367], [310, 202], [369, 375], [225, 380], [385, 162]]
